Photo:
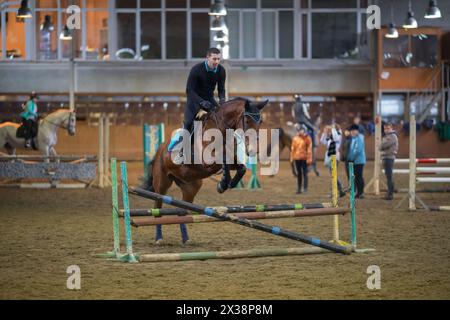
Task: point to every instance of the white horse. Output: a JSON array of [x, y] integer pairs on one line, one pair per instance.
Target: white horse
[[46, 138]]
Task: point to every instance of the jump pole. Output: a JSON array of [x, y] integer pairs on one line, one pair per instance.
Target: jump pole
[[244, 222], [164, 257], [115, 254], [412, 163], [129, 256], [165, 220], [230, 209], [334, 195]]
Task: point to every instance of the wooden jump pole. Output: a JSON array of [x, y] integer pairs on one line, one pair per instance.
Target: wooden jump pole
[[165, 220], [244, 222], [230, 209], [235, 254]]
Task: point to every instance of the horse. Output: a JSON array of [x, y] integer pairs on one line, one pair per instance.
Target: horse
[[234, 114], [46, 138]]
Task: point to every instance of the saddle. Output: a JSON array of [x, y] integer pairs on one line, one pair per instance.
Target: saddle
[[21, 131], [175, 144]]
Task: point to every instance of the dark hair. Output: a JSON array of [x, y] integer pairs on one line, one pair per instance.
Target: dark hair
[[354, 127], [388, 124], [211, 51]]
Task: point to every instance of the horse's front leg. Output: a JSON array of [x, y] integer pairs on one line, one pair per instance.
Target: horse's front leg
[[52, 152], [222, 186], [240, 172], [47, 154]]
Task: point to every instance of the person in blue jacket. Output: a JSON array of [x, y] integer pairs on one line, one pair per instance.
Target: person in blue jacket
[[29, 117], [357, 155]]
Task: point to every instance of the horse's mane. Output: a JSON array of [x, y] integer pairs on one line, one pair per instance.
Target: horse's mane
[[229, 102]]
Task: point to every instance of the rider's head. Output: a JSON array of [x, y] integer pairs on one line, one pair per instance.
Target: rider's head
[[213, 57], [298, 97], [33, 95]]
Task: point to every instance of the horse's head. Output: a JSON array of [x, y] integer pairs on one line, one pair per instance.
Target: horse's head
[[70, 123], [252, 120], [245, 118]]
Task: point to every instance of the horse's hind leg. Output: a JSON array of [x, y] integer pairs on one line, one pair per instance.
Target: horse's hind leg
[[189, 191]]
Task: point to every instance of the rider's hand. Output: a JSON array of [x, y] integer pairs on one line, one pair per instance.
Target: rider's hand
[[205, 104]]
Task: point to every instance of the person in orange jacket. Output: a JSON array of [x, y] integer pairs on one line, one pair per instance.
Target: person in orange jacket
[[301, 154]]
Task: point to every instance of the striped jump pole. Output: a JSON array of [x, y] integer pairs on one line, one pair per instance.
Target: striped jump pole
[[439, 208], [424, 170], [241, 221], [115, 254], [273, 207], [425, 160], [165, 220], [156, 212], [230, 209], [129, 256], [235, 254], [433, 179]]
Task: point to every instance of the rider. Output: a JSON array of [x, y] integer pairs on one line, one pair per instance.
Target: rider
[[29, 117], [302, 117], [202, 81]]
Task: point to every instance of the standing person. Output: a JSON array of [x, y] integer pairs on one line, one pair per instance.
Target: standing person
[[332, 138], [301, 154], [357, 155], [201, 84], [300, 112], [389, 149], [361, 129], [29, 117], [345, 146]]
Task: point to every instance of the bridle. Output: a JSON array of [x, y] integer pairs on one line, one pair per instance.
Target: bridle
[[61, 125]]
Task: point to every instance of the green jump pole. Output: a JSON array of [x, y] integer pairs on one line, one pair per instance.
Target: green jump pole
[[352, 204], [115, 254], [129, 257], [146, 142], [254, 183]]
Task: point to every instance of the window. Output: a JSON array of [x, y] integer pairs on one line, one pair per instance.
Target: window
[[395, 52], [392, 106], [176, 34], [286, 34], [126, 35], [200, 34], [249, 36], [334, 4], [269, 39], [151, 35], [334, 35], [424, 50], [46, 35]]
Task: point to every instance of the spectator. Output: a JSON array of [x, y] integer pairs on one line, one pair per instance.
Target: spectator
[[361, 129], [301, 154], [389, 149], [332, 138], [357, 155], [345, 146]]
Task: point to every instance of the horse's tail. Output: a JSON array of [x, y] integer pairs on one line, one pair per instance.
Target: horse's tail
[[147, 181]]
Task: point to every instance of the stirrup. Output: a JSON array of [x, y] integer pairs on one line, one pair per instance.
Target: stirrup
[[174, 141]]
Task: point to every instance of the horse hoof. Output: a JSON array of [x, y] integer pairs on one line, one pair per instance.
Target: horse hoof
[[159, 241], [219, 188]]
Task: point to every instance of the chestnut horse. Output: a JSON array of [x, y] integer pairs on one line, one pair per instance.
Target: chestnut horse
[[235, 114]]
